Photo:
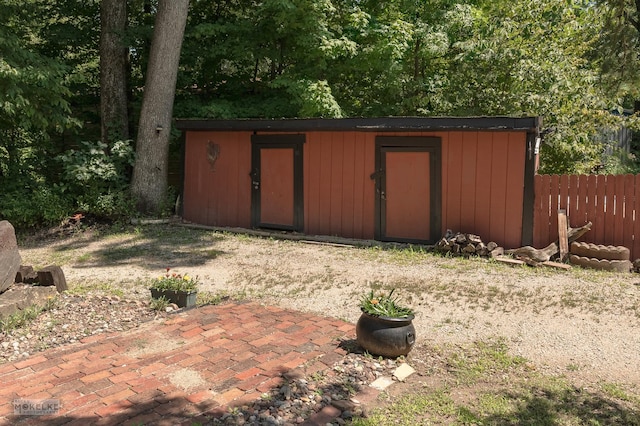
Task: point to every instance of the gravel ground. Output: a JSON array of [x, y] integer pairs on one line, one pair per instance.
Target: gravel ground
[[579, 324], [71, 318]]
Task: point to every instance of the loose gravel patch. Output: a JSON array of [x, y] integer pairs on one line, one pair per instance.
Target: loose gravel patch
[[70, 318]]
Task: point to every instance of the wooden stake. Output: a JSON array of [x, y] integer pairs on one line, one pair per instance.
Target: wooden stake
[[563, 240], [556, 265]]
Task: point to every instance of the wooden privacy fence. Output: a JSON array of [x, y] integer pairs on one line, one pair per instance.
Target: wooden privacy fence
[[610, 202]]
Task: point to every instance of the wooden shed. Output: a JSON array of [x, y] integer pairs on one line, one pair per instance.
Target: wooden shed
[[390, 179]]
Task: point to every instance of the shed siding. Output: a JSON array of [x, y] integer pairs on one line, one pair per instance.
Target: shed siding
[[453, 191], [482, 182], [339, 197], [470, 173], [218, 195], [514, 181]]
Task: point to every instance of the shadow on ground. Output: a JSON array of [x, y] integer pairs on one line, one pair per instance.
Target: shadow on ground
[[288, 402], [151, 246], [505, 391], [567, 406]]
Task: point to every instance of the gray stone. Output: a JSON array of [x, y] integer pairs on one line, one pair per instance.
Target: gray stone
[[52, 275], [9, 256], [21, 296], [24, 272]]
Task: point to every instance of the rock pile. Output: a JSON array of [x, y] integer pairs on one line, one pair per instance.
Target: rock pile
[[302, 397]]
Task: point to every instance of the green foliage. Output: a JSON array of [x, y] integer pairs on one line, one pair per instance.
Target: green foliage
[[92, 179], [96, 176], [35, 205], [264, 60], [316, 100], [384, 305], [159, 304], [33, 106], [174, 281], [35, 109], [98, 165], [571, 62], [619, 163], [616, 49], [33, 87], [534, 61]]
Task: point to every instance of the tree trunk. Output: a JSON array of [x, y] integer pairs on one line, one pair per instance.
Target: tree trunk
[[149, 184], [113, 72]]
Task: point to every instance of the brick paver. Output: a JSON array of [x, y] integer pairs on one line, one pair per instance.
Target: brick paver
[[237, 350]]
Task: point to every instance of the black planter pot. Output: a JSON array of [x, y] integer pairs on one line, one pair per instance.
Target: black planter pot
[[390, 337], [184, 299]]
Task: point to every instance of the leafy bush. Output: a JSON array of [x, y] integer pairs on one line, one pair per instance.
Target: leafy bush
[[97, 177], [35, 206], [98, 166], [92, 180]]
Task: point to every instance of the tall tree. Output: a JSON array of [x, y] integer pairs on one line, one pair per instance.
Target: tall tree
[[114, 118], [149, 183]]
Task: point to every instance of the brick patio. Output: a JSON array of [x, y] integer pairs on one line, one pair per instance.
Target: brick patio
[[196, 364]]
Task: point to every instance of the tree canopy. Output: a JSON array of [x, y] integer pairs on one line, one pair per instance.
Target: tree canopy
[[283, 58], [572, 62]]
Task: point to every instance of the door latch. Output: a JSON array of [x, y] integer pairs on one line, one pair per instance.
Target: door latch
[[255, 178]]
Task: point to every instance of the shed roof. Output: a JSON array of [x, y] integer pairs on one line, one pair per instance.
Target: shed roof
[[530, 124]]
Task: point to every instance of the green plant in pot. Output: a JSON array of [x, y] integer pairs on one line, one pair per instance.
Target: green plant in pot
[[385, 327], [176, 288]]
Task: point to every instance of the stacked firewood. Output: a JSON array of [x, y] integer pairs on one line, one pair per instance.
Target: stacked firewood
[[467, 245]]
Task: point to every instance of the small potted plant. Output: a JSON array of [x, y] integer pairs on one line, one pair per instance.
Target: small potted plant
[[176, 288], [385, 327]]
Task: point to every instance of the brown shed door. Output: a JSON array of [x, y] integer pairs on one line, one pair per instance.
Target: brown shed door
[[407, 195], [276, 180], [276, 187], [408, 190]]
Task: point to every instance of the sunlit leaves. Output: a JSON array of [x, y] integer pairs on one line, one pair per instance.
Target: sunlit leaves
[[33, 92]]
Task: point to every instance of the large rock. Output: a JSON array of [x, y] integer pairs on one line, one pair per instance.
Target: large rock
[[9, 256], [22, 296]]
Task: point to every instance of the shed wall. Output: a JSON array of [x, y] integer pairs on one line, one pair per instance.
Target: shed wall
[[482, 182], [339, 194], [218, 194]]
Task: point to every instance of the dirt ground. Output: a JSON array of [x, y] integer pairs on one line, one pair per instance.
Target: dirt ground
[[580, 324]]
